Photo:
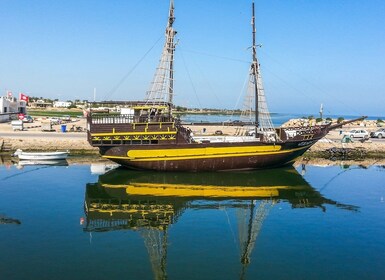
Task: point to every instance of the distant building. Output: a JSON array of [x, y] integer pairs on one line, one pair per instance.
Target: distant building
[[10, 107], [39, 104], [62, 104]]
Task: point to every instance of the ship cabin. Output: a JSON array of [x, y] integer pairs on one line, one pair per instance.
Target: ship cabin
[[142, 124]]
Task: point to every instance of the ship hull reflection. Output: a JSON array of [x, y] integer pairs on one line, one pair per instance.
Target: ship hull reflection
[[149, 202], [125, 194]]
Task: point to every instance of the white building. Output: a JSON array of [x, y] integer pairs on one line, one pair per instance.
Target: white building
[[39, 104], [62, 104], [10, 106]]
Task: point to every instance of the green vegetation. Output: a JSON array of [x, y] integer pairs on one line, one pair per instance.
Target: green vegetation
[[180, 109], [48, 113], [340, 119]]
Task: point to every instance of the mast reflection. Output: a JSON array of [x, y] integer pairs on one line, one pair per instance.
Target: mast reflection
[[151, 201]]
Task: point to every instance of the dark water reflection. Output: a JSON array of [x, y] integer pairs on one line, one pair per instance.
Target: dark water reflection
[[271, 224], [152, 202]]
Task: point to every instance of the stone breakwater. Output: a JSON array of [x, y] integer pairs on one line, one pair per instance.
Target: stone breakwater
[[332, 145]]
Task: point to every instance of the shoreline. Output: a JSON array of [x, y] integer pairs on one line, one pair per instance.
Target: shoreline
[[33, 139], [301, 162]]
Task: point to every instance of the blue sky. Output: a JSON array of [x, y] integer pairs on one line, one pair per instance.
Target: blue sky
[[330, 52]]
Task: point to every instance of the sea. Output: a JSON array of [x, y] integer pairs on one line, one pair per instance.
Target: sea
[[79, 220]]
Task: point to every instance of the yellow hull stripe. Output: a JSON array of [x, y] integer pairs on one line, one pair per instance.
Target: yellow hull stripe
[[186, 190], [202, 153], [208, 151]]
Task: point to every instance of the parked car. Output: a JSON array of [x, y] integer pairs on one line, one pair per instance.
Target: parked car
[[251, 132], [378, 133], [358, 133], [234, 123], [55, 120], [66, 118]]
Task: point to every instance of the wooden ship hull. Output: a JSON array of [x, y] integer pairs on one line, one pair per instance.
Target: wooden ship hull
[[205, 157], [168, 146]]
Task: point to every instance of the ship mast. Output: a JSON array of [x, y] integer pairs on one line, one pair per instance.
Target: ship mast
[[255, 71], [255, 100], [171, 48], [162, 87]]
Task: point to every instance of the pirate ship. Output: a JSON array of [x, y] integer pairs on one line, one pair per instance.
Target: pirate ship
[[148, 136]]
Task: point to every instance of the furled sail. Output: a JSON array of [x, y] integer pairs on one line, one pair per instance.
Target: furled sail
[[265, 123], [264, 119]]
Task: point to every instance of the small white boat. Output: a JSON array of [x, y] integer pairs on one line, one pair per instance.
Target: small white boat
[[41, 155]]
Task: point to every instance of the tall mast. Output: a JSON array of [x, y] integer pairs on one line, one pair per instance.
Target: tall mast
[[255, 99], [162, 86], [170, 33], [255, 71]]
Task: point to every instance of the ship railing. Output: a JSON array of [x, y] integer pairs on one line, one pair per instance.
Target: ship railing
[[110, 119], [126, 119], [292, 132]]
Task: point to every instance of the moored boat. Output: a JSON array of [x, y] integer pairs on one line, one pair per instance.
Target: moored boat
[[39, 156], [148, 136]]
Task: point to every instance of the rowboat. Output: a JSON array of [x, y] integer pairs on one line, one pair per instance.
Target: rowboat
[[41, 155]]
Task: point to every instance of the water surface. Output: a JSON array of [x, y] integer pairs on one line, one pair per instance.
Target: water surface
[[64, 222]]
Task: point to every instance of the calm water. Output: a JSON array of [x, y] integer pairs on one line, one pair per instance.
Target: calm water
[[318, 223]]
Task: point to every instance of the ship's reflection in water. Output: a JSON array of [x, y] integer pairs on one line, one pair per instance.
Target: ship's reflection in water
[[151, 202]]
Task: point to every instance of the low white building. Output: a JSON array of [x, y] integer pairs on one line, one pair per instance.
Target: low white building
[[62, 104], [10, 106], [39, 104]]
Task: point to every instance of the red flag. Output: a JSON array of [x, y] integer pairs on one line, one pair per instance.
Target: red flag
[[23, 97]]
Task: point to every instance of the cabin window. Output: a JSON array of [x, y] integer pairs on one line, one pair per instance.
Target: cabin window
[[154, 142], [136, 142]]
